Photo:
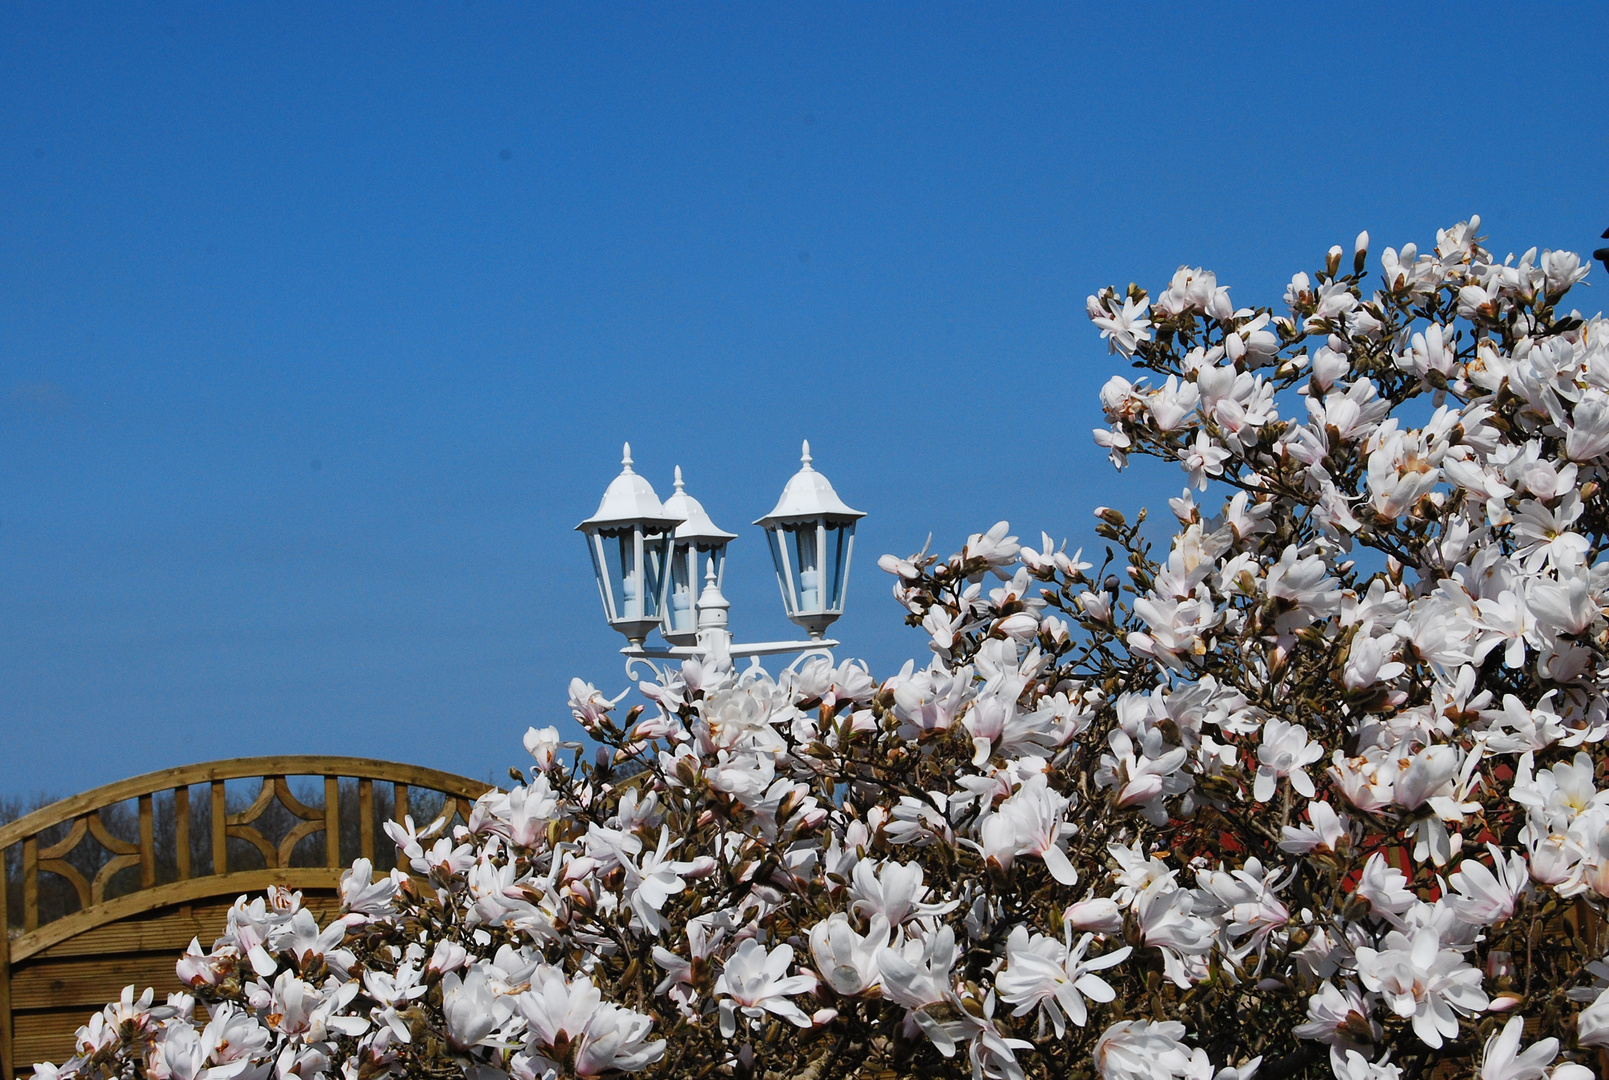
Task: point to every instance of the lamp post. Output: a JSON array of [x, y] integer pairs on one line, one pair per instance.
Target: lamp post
[[650, 559]]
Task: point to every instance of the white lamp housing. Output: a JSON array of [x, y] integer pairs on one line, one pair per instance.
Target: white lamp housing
[[812, 535], [698, 544], [630, 540]]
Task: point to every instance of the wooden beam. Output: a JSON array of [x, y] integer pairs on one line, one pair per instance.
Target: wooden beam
[[174, 892]]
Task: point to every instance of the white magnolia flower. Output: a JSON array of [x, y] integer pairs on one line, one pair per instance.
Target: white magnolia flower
[[1054, 977], [1142, 1050], [1285, 751], [1592, 1023], [1123, 326], [1029, 823], [1340, 1016], [1504, 1060], [846, 960], [1348, 1064], [755, 982], [474, 1012], [1485, 898], [893, 891], [1329, 831], [616, 1039], [1418, 979]]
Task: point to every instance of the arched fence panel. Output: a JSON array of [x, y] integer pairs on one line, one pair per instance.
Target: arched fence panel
[[106, 888]]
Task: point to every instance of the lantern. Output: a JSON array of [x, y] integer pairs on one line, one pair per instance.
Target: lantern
[[812, 535], [697, 543], [630, 540]]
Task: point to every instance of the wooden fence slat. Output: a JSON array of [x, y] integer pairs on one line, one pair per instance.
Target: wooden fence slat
[[147, 842], [220, 830], [30, 884], [332, 821], [399, 802], [181, 830], [366, 817]]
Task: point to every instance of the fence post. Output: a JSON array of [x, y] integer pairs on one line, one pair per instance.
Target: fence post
[[7, 1066]]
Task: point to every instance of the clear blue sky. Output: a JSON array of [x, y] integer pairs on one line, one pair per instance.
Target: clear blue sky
[[321, 325]]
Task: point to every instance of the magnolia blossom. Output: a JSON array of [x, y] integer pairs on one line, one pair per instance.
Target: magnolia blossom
[[1285, 752], [1504, 1060], [1055, 977], [754, 982], [846, 960], [1484, 897], [1419, 979], [1142, 1050]]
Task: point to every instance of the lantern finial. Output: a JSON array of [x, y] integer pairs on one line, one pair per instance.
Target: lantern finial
[[625, 457], [804, 457], [678, 478]]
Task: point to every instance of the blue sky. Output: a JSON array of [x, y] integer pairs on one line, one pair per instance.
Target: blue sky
[[321, 325]]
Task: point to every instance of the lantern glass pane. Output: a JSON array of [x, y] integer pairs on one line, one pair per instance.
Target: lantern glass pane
[[598, 573], [808, 583], [717, 552], [838, 563], [656, 550], [679, 613], [620, 568], [779, 558]]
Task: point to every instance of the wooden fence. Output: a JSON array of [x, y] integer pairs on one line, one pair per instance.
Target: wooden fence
[[106, 888]]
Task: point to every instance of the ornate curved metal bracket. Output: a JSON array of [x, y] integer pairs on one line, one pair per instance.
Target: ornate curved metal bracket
[[659, 673]]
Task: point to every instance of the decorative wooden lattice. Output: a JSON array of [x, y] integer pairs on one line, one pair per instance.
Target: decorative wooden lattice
[[101, 926]]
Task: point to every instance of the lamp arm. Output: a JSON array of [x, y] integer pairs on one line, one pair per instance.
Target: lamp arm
[[636, 654]]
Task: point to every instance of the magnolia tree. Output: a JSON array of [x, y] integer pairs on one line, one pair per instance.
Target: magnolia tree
[[1313, 791]]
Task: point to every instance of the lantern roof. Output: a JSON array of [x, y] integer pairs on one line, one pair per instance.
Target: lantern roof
[[630, 499], [695, 522], [808, 494]]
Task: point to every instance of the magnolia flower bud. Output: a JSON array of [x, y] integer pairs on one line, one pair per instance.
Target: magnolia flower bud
[[1098, 914]]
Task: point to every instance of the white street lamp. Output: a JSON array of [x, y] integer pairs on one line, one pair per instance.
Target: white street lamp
[[812, 534], [698, 543], [650, 559], [630, 541]]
